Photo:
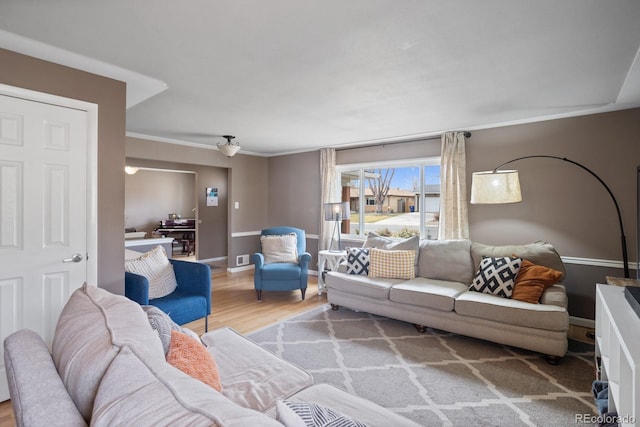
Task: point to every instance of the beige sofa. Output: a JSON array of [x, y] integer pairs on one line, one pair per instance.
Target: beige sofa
[[107, 367], [439, 296]]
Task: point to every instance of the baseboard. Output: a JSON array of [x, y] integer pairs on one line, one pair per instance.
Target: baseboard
[[239, 269], [581, 321]]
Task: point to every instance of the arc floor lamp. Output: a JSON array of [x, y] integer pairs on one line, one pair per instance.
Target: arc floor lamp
[[503, 186]]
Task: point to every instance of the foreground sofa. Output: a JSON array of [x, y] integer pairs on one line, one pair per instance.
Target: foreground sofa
[[439, 295], [108, 367]]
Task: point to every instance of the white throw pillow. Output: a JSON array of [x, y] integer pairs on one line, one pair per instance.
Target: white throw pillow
[[279, 248], [155, 266]]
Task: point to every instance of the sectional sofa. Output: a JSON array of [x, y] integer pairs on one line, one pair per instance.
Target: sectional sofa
[[440, 297], [109, 366]]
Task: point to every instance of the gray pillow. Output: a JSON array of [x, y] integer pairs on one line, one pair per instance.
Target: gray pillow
[[163, 325], [540, 253], [446, 260]]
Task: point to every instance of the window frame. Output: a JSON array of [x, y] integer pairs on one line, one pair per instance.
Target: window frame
[[360, 167]]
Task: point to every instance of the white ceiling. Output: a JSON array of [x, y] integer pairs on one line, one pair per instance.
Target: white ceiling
[[295, 75]]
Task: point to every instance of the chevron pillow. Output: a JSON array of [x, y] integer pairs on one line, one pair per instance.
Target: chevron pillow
[[496, 276]]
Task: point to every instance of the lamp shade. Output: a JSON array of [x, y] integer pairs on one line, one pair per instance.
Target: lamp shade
[[495, 187], [228, 149], [336, 211]]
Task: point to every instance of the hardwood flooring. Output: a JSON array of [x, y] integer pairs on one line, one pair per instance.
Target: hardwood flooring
[[234, 304]]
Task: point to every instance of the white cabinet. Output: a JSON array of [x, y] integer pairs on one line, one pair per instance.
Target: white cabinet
[[618, 346]]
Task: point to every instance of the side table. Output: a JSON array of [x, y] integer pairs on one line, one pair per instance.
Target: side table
[[621, 281], [328, 261]]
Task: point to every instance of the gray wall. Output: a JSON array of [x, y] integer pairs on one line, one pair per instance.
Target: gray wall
[[563, 204], [223, 231], [110, 96], [150, 195], [212, 230]]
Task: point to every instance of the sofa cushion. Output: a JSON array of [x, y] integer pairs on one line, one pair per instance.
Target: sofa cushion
[[446, 260], [376, 288], [134, 392], [496, 276], [430, 293], [540, 253], [250, 375], [358, 261], [92, 327], [155, 266], [392, 264], [512, 312], [532, 280], [280, 248]]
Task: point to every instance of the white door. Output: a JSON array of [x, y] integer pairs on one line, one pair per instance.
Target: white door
[[43, 215]]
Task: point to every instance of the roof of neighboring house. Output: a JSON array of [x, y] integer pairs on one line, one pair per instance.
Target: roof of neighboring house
[[394, 192]]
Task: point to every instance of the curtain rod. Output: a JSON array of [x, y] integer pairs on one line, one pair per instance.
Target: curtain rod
[[467, 134]]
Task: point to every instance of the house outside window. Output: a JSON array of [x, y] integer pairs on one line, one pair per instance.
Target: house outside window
[[395, 199]]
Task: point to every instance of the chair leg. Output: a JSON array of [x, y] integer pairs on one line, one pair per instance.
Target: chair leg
[[304, 291], [259, 292], [206, 324]]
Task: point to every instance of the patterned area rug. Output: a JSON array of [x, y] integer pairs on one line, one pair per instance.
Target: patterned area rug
[[436, 378]]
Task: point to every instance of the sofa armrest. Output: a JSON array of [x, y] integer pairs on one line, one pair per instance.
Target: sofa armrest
[[258, 260], [194, 278], [304, 260], [136, 288], [38, 396], [555, 295]]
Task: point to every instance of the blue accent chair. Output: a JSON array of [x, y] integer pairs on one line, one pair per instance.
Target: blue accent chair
[[190, 301], [282, 276]]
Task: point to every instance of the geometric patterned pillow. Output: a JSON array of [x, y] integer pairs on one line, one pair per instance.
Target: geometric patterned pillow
[[297, 413], [496, 276], [358, 261]]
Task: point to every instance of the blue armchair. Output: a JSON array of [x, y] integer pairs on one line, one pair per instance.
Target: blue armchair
[[282, 276], [190, 301]]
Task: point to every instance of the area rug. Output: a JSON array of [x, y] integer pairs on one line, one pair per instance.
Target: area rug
[[436, 378]]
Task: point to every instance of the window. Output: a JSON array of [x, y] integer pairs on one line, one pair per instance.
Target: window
[[399, 199]]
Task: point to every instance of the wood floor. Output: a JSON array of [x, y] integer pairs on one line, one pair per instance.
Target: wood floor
[[235, 304]]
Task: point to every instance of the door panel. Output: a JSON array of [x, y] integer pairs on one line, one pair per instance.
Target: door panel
[[43, 211]]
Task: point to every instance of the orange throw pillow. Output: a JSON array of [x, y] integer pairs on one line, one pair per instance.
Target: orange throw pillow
[[192, 358], [532, 280]]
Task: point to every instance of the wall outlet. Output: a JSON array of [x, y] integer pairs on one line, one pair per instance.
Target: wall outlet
[[242, 260]]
